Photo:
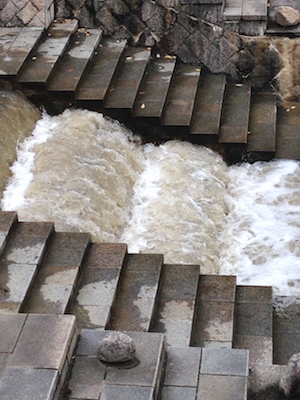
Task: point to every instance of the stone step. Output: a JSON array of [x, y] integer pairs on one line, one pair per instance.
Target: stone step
[[8, 220], [208, 105], [286, 331], [214, 314], [137, 293], [181, 97], [153, 92], [235, 113], [95, 84], [255, 10], [19, 50], [175, 308], [20, 261], [232, 10], [125, 86], [288, 138], [35, 355], [253, 323], [39, 69], [55, 284], [7, 37], [91, 379], [262, 123], [98, 285], [74, 61]]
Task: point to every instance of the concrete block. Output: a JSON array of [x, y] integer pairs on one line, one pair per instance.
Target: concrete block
[[215, 387], [182, 367], [178, 331], [44, 342], [42, 230], [254, 319], [254, 294], [87, 378], [49, 299], [178, 393], [106, 255], [89, 340], [57, 275], [233, 362], [123, 392], [28, 384], [7, 220], [260, 348], [182, 281], [217, 288], [10, 328], [92, 316], [24, 250]]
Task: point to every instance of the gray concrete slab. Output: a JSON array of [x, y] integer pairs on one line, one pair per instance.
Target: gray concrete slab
[[260, 348], [106, 255], [40, 230], [178, 393], [44, 342], [231, 362], [123, 392], [217, 288], [24, 250], [215, 387], [253, 319], [254, 294], [28, 384], [4, 357], [182, 367], [10, 329], [7, 220], [89, 340]]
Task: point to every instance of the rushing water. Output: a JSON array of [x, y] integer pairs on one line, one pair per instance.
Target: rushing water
[[87, 173]]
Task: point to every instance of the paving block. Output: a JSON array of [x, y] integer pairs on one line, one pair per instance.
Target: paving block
[[178, 393], [123, 392], [28, 384], [10, 329], [231, 362], [182, 367], [44, 342], [216, 387]]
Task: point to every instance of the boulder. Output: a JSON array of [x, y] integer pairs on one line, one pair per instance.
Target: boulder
[[287, 16], [289, 383], [116, 347]]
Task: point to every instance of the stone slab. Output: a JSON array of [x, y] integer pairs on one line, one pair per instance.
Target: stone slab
[[217, 288], [177, 331], [212, 387], [225, 362], [44, 342], [42, 230], [95, 84], [24, 250], [233, 10], [7, 37], [106, 255], [255, 10], [253, 319], [178, 393], [125, 86], [260, 348], [92, 316], [179, 281], [10, 329], [182, 367], [288, 138], [254, 294], [28, 384], [7, 220], [123, 392]]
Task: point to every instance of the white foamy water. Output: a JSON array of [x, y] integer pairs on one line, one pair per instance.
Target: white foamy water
[[86, 173]]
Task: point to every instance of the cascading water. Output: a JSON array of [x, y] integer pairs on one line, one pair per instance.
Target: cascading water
[[87, 173]]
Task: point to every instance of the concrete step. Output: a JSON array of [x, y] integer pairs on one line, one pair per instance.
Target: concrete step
[[95, 84], [55, 284], [214, 315], [98, 285], [35, 353], [235, 113], [255, 10], [262, 123], [232, 10], [137, 293], [288, 138], [208, 105], [39, 69], [17, 49], [8, 220], [180, 101], [153, 92], [253, 323], [20, 261], [75, 59], [125, 86], [91, 379], [175, 308]]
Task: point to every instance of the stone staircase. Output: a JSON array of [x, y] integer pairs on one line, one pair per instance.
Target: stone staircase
[[196, 335], [150, 92]]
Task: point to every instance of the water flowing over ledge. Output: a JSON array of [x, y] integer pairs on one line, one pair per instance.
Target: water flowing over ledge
[[87, 173]]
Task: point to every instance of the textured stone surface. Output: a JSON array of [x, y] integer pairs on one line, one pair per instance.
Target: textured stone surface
[[233, 362], [12, 324], [123, 392], [116, 347], [287, 16], [212, 387], [289, 383]]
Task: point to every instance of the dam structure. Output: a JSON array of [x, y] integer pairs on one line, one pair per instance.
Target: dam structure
[[197, 335]]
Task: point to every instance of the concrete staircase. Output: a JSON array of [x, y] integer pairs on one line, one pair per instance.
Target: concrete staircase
[[150, 92], [196, 335]]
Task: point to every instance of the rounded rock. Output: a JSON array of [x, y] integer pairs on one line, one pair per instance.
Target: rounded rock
[[116, 348]]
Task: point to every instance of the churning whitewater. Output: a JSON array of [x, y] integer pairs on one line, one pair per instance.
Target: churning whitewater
[[88, 173]]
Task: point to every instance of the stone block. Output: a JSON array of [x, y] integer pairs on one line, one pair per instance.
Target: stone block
[[57, 275], [24, 250], [49, 299], [7, 219], [44, 342], [10, 329], [254, 319], [178, 331], [260, 348], [215, 387], [41, 230], [234, 362], [217, 288], [254, 294], [2, 243], [28, 384], [123, 392], [89, 340], [178, 393], [92, 316], [182, 367], [106, 255], [181, 281]]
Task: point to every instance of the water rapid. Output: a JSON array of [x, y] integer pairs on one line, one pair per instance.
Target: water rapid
[[87, 173]]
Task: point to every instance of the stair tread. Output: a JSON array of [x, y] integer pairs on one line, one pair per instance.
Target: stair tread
[[48, 53], [255, 10], [98, 286], [136, 298], [208, 105], [19, 50], [95, 84], [232, 10], [235, 113], [154, 88], [180, 101], [7, 220], [288, 138], [124, 88], [7, 37], [262, 123], [175, 308], [80, 51]]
